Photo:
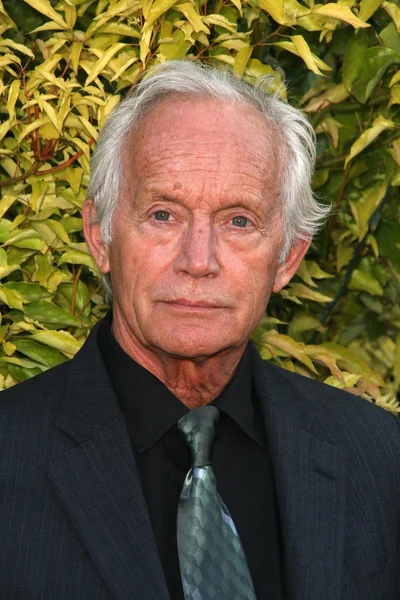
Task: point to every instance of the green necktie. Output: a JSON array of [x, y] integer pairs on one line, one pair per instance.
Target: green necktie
[[211, 557]]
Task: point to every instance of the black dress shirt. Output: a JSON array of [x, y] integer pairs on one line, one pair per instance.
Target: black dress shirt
[[241, 463]]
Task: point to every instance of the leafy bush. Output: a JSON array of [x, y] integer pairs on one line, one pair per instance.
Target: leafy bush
[[63, 68]]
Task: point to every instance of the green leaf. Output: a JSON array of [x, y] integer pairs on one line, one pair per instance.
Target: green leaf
[[390, 37], [48, 313], [354, 57], [49, 357], [365, 282], [75, 257], [43, 269], [302, 323], [30, 291], [23, 373], [71, 224], [27, 239], [377, 60], [82, 295], [388, 236], [5, 225]]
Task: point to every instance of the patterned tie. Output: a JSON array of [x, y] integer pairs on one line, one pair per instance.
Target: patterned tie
[[211, 557]]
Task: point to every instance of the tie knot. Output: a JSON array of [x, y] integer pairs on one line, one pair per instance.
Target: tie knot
[[198, 428]]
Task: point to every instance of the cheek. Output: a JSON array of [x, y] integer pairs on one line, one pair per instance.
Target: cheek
[[138, 264], [263, 272]]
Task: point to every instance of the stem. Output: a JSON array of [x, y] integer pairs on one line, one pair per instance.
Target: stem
[[74, 290]]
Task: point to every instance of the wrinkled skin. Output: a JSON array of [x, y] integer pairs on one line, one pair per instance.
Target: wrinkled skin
[[196, 242]]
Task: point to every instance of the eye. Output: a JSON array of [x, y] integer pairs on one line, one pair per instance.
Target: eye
[[161, 215], [240, 221]]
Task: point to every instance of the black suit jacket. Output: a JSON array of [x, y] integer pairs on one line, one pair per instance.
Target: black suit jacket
[[73, 520]]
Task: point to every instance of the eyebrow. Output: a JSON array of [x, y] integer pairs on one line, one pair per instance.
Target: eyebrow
[[243, 203]]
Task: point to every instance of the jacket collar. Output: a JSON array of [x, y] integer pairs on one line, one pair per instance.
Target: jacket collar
[[310, 478], [97, 483]]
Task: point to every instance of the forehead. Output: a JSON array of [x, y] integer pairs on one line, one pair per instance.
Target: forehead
[[206, 142]]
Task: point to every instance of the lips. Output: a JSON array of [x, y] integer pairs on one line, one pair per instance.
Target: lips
[[184, 302]]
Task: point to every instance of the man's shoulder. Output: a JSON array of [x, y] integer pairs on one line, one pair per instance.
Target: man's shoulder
[[35, 395], [43, 392], [342, 410]]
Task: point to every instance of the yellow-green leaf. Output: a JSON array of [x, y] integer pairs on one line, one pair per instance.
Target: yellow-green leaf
[[158, 8], [352, 362], [44, 7], [332, 95], [367, 9], [365, 282], [299, 290], [75, 54], [12, 98], [341, 12], [193, 17], [275, 9], [19, 47], [369, 135], [299, 46], [103, 61], [4, 128], [32, 127], [12, 298], [241, 59], [61, 340], [78, 258], [289, 346], [43, 269], [394, 12], [395, 79], [220, 21]]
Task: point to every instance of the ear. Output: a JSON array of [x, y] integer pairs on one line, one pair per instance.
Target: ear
[[98, 249], [289, 267]]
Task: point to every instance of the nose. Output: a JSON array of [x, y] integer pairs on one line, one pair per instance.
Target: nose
[[197, 255]]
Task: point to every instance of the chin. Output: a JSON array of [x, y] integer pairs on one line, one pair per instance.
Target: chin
[[192, 345]]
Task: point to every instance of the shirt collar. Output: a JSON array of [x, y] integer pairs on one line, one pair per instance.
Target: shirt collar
[[151, 409]]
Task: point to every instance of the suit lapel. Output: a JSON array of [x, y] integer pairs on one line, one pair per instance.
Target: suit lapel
[[310, 482], [98, 485]]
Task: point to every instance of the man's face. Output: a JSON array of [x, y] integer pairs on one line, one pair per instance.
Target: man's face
[[198, 231]]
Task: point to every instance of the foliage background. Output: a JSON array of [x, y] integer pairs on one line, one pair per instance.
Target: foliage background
[[64, 66]]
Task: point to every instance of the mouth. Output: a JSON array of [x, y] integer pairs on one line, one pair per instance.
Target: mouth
[[185, 304]]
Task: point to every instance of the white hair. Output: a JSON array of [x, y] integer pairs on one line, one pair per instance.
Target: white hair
[[301, 213]]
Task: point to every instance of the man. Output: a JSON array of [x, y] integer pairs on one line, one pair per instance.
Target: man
[[167, 460]]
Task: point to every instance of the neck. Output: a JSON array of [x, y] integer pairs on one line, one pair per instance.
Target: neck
[[194, 381]]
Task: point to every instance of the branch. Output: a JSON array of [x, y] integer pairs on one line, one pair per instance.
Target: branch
[[34, 170], [67, 163], [14, 180]]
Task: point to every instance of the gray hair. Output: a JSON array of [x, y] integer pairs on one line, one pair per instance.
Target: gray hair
[[301, 213]]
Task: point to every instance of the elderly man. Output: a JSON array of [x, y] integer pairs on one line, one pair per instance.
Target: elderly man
[[167, 460]]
